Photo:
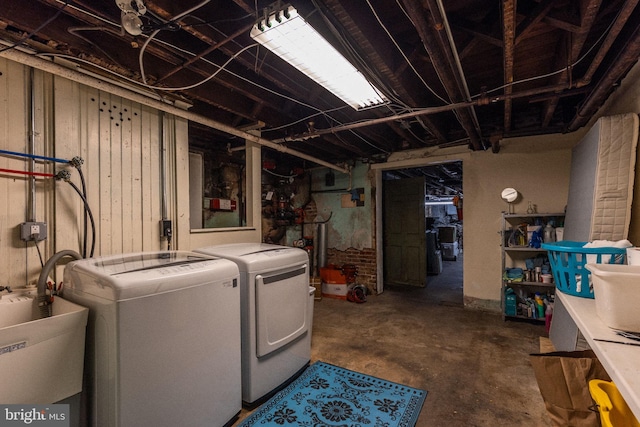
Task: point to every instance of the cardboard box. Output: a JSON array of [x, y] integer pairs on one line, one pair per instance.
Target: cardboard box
[[447, 234], [334, 290]]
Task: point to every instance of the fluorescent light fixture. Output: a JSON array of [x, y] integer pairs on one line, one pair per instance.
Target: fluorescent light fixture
[[439, 201], [289, 36]]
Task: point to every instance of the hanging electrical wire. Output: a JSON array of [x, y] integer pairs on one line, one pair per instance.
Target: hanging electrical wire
[[152, 87], [32, 33], [304, 119], [397, 105], [39, 252], [278, 175], [220, 21], [395, 43], [155, 33], [253, 83], [215, 73], [553, 73], [75, 31]]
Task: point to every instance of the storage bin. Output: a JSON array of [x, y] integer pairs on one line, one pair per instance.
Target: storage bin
[[617, 294], [449, 250], [568, 258], [612, 407]]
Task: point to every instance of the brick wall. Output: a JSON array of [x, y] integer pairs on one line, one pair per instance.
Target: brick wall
[[364, 259]]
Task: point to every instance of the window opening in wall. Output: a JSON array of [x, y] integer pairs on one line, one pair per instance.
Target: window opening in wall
[[287, 207], [217, 179]]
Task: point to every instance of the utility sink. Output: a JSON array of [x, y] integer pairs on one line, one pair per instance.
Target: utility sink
[[41, 360]]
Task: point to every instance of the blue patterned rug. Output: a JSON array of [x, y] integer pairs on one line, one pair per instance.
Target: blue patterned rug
[[327, 395]]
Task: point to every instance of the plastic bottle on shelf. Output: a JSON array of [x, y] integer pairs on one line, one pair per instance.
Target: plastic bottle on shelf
[[548, 315], [539, 305], [549, 233], [510, 302]]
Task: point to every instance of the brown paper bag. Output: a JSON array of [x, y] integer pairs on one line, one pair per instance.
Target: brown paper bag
[[563, 378]]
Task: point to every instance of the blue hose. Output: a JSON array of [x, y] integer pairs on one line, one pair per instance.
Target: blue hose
[[34, 156]]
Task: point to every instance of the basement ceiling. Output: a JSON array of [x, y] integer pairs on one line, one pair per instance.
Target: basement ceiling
[[456, 72], [444, 179]]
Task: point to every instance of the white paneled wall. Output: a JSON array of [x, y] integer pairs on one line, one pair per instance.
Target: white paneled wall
[[17, 259], [120, 142], [136, 168]]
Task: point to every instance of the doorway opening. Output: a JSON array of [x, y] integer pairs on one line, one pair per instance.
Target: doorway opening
[[443, 217]]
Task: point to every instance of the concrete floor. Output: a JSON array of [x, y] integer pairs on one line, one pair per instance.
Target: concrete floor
[[474, 365]]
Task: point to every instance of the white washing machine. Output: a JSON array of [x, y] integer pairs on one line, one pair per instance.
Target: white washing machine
[[277, 312], [163, 338]]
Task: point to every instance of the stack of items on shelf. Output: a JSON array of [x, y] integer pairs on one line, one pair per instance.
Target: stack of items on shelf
[[527, 280], [533, 236], [536, 306]]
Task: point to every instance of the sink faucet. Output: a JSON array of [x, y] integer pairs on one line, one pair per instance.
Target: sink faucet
[[44, 303]]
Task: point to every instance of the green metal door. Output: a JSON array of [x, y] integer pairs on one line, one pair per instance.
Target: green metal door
[[405, 253]]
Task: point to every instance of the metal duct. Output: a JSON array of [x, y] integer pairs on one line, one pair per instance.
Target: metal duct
[[322, 245]]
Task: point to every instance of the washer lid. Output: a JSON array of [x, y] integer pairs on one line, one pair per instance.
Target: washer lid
[[131, 263], [118, 277]]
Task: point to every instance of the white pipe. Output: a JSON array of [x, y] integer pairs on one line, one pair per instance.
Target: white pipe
[[115, 89]]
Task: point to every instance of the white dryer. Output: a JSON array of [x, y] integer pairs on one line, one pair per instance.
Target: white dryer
[[163, 338], [277, 312]]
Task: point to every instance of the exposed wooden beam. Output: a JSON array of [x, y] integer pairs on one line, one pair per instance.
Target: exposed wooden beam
[[588, 13], [617, 69], [427, 30], [509, 24], [536, 16], [379, 60]]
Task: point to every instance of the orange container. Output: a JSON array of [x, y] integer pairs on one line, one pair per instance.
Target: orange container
[[332, 275]]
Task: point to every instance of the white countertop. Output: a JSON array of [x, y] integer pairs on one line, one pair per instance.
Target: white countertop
[[622, 362]]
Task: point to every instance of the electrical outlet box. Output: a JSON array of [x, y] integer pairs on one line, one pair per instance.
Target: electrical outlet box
[[33, 231], [165, 228]]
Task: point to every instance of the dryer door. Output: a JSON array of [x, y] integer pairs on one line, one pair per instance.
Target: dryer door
[[281, 308]]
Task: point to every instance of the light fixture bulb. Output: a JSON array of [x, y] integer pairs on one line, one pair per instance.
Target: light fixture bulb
[[289, 36], [136, 6], [131, 23]]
